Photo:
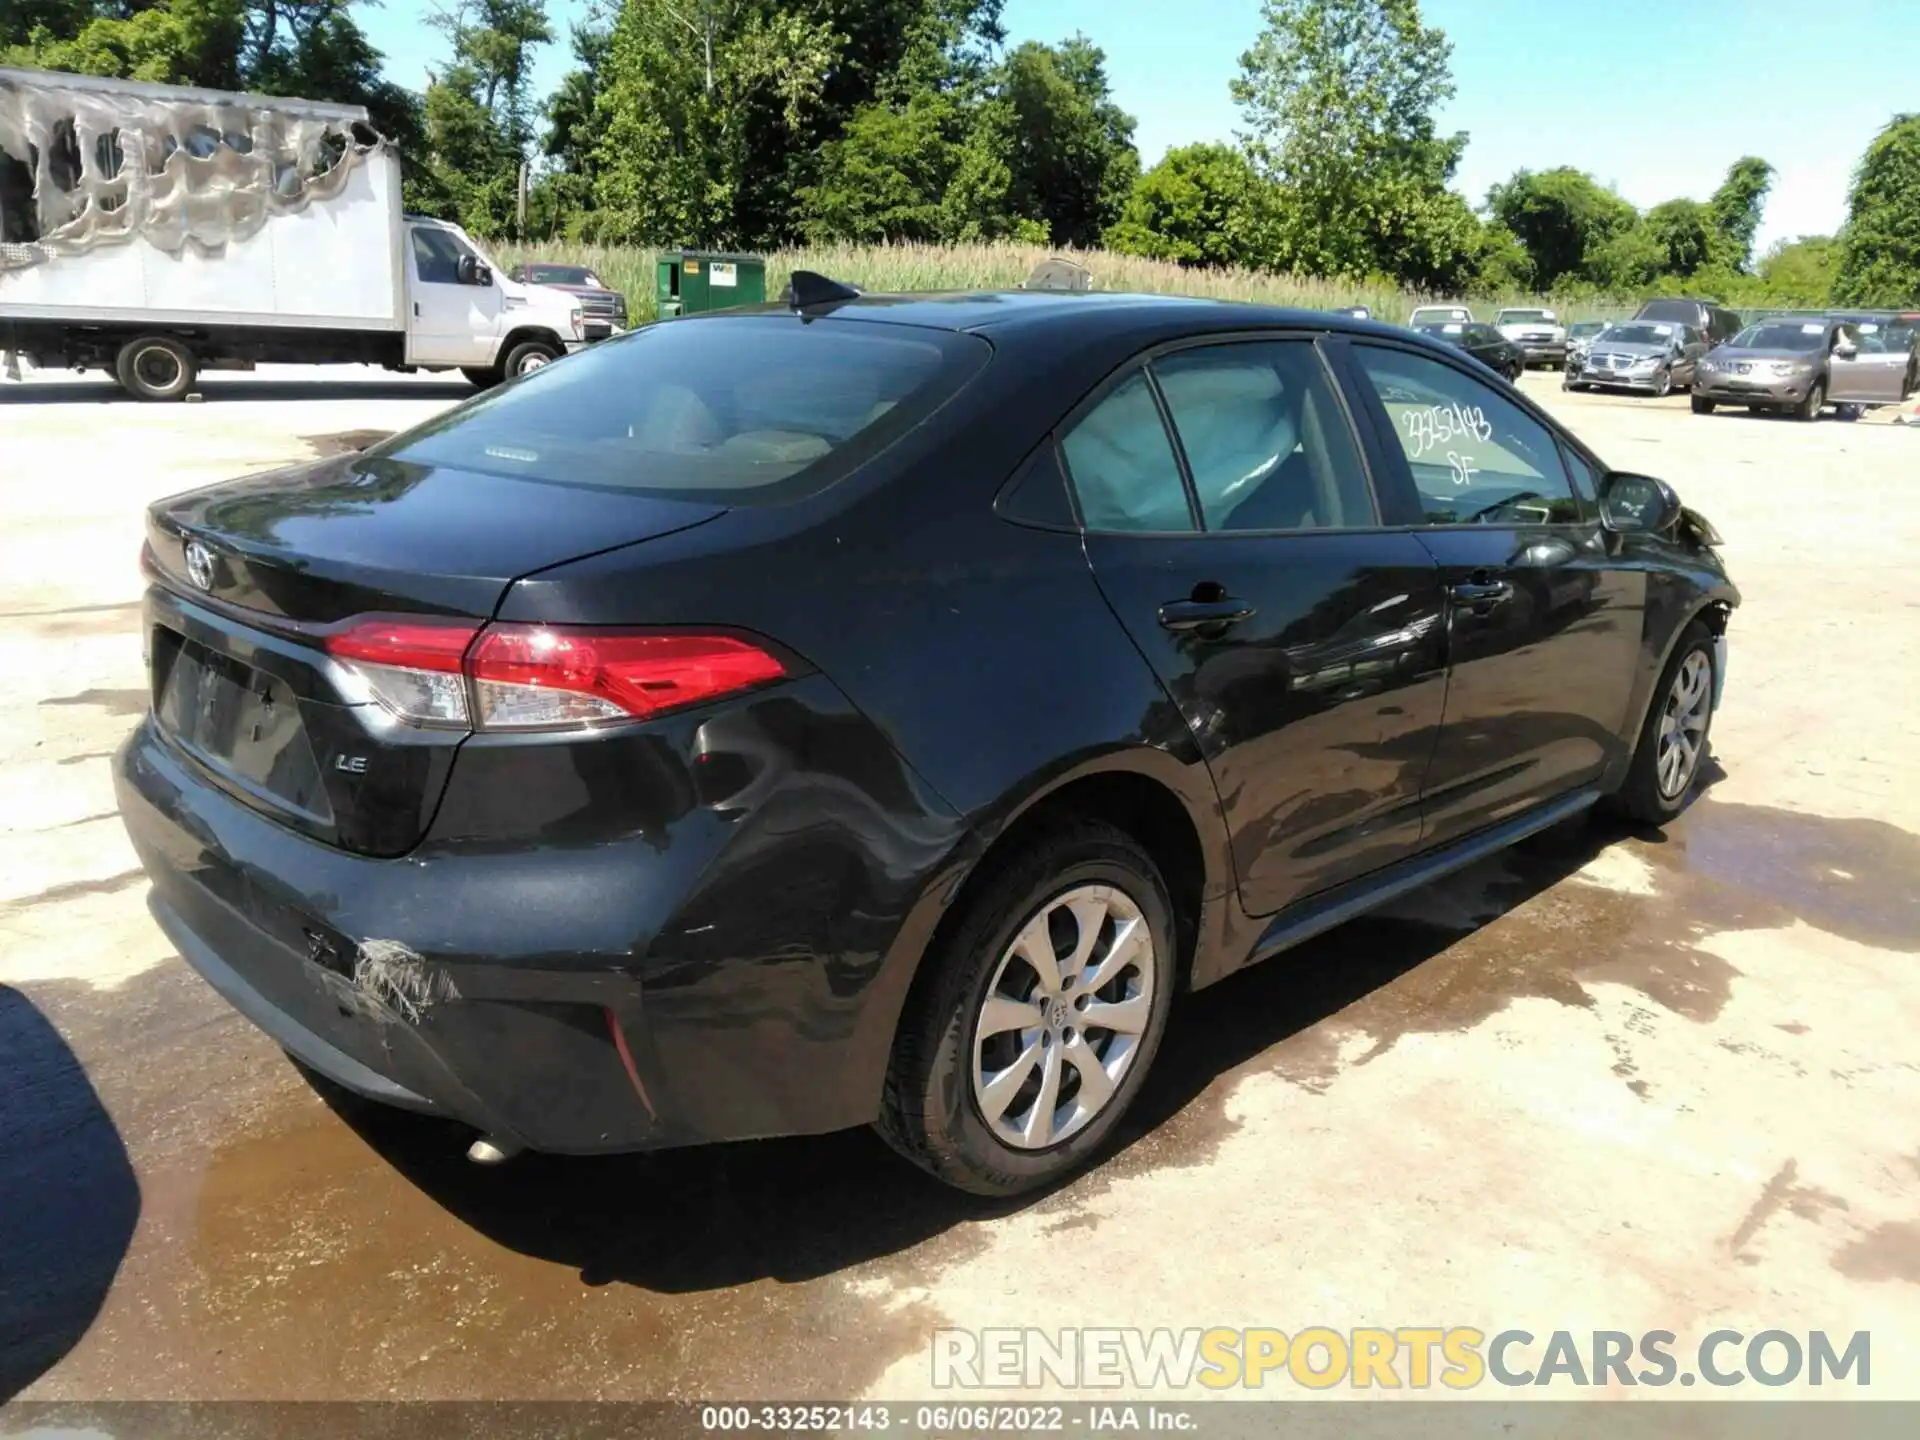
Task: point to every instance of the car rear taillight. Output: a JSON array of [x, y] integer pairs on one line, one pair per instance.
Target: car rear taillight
[[541, 677]]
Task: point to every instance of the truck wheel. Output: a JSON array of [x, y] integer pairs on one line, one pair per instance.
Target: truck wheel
[[480, 376], [155, 367], [528, 355]]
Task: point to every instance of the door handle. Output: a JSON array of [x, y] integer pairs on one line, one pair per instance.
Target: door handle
[[1482, 595], [1184, 615]]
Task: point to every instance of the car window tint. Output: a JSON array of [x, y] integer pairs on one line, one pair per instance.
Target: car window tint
[[1122, 465], [1586, 482], [1476, 457], [1265, 439], [752, 409], [436, 256]]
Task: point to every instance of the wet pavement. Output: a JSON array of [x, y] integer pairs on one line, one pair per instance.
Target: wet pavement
[[1612, 1078]]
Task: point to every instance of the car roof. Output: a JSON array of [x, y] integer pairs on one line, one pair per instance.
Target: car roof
[[1004, 312]]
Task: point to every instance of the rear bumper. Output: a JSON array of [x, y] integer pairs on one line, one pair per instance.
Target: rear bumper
[[726, 972]]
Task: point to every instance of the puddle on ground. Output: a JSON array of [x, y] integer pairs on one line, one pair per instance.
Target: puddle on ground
[[290, 1247], [297, 1243], [79, 621], [114, 702]]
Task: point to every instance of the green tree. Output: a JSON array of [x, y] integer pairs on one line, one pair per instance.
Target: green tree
[[562, 198], [1201, 205], [1565, 220], [1066, 150], [1735, 210], [885, 177], [1630, 258], [1800, 272], [1503, 262], [479, 115], [1339, 98], [1879, 261], [179, 42], [749, 146], [1685, 231]]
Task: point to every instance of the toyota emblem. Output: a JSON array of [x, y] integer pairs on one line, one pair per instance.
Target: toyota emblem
[[200, 564]]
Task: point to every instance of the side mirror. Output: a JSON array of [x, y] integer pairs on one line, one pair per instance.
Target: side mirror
[[1637, 504], [1845, 350], [472, 272]]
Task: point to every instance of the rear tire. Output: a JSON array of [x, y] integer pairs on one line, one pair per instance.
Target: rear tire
[[1809, 408], [1680, 715], [948, 1071], [1702, 405], [155, 367]]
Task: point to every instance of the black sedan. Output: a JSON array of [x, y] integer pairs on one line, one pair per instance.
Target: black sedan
[[1483, 342], [873, 710]]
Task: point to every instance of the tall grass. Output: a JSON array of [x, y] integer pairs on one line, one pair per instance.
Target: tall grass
[[1002, 266]]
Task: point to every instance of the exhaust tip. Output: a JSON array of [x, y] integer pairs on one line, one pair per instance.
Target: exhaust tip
[[490, 1151]]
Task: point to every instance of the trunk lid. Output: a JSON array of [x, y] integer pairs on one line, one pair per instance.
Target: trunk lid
[[252, 575]]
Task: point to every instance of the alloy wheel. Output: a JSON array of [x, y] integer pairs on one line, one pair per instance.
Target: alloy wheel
[[1063, 1017], [1683, 725]]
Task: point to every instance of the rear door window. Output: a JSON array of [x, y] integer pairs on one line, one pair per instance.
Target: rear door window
[[746, 410], [1475, 456], [1266, 441], [1122, 465]]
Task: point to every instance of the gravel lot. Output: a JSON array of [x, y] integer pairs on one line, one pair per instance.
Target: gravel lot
[[1607, 1081]]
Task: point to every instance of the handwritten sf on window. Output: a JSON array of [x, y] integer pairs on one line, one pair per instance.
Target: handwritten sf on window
[[1442, 424]]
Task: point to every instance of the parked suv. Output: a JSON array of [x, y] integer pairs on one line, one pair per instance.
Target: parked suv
[[1800, 365], [1715, 322]]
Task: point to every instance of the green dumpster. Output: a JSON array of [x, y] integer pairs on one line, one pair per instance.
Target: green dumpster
[[691, 282]]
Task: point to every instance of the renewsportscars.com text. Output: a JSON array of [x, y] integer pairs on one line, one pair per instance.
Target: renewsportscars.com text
[[1408, 1357]]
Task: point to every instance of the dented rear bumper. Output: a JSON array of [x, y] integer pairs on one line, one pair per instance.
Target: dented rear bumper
[[282, 927], [706, 934]]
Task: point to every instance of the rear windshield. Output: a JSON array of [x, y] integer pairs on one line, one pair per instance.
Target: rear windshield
[[744, 409], [1525, 317], [1782, 335]]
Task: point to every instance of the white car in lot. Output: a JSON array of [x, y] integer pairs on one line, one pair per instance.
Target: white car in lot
[[1439, 315], [1538, 332]]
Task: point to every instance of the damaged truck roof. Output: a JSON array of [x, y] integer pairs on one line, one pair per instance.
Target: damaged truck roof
[[86, 161]]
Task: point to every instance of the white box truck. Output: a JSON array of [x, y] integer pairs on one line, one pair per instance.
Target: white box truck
[[154, 231]]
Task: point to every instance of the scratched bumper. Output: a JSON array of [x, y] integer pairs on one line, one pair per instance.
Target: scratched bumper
[[523, 1053]]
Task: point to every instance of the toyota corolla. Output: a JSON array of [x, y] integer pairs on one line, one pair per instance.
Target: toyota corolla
[[874, 709]]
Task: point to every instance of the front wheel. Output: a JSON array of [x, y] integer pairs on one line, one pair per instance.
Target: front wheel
[[1702, 405], [1037, 1016], [1673, 740], [526, 357], [1663, 387], [1809, 408], [155, 367], [480, 377]]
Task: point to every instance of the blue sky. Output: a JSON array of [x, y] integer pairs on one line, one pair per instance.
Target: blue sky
[[1686, 87]]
